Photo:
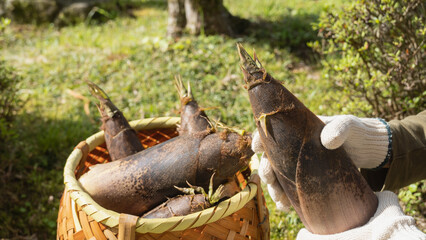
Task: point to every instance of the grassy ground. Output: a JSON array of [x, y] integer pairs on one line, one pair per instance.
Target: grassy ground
[[134, 63]]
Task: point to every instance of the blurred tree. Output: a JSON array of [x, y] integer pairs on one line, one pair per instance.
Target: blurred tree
[[177, 20], [61, 12], [203, 16]]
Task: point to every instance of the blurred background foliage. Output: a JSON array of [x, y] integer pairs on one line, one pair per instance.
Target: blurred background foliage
[[365, 58], [375, 51]]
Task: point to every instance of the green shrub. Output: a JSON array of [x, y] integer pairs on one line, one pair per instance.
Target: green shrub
[[31, 11], [9, 102], [4, 22], [413, 201], [374, 57], [66, 12], [374, 53]]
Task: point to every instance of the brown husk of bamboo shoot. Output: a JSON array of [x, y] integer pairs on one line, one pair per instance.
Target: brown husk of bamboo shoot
[[179, 206], [187, 204], [121, 139], [324, 186], [193, 119], [142, 181], [223, 153]]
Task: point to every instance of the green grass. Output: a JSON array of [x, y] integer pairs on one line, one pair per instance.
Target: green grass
[[135, 64], [131, 59]]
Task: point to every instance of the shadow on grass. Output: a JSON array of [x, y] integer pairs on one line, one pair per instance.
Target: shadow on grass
[[125, 8], [31, 169], [153, 4], [292, 32]]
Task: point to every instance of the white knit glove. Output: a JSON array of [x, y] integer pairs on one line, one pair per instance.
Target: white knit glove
[[368, 141], [389, 222], [268, 176]]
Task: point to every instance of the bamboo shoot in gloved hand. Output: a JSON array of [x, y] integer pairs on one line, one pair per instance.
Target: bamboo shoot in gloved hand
[[367, 141], [324, 186]]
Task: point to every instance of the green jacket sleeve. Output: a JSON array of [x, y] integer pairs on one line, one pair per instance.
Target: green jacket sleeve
[[408, 161]]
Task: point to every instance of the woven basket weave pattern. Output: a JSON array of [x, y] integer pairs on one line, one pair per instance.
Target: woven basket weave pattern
[[75, 220]]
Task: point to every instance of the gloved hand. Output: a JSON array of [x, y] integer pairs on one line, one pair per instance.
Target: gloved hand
[[268, 176], [389, 222], [366, 140]]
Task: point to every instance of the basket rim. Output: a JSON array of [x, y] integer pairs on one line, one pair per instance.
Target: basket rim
[[111, 218]]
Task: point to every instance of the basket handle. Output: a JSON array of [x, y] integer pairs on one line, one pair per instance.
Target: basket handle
[[84, 148], [263, 212], [127, 227]]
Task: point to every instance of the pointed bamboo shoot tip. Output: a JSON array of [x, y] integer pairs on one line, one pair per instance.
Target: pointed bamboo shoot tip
[[189, 93], [245, 58], [96, 91]]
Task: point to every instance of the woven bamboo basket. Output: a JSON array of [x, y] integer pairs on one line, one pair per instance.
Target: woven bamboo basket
[[243, 216]]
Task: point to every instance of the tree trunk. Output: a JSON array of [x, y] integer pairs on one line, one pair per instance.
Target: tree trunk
[[176, 21], [209, 16], [194, 20], [217, 19]]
